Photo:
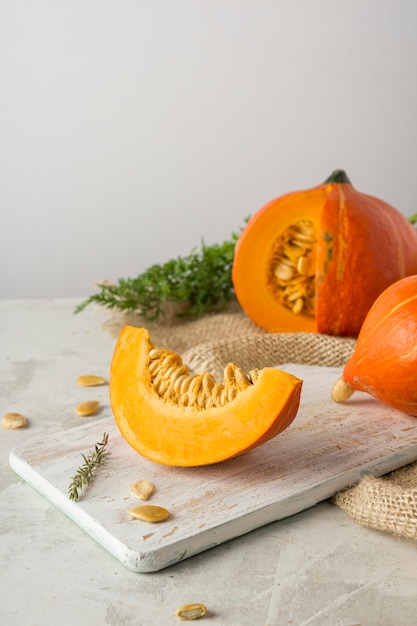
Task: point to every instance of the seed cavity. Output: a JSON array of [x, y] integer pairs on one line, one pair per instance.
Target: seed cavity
[[90, 380], [88, 408], [14, 421], [174, 383], [291, 275], [142, 489], [149, 513], [191, 611]]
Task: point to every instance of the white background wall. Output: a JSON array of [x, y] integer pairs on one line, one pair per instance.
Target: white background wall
[[129, 129]]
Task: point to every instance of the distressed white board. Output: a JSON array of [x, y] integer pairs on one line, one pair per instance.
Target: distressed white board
[[328, 447]]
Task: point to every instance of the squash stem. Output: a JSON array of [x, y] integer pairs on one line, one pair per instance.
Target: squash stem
[[341, 390], [338, 176]]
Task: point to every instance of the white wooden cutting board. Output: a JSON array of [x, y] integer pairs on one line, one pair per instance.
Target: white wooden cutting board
[[328, 447]]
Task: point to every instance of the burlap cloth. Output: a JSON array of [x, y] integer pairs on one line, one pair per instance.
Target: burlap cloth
[[387, 503]]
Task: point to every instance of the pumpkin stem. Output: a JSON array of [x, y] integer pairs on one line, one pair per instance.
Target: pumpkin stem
[[338, 176], [341, 390]]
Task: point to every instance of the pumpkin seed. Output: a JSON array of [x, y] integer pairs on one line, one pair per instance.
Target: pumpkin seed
[[253, 375], [88, 408], [239, 378], [298, 306], [149, 513], [90, 380], [13, 421], [303, 238], [142, 489], [302, 265], [191, 611], [156, 353], [293, 251], [305, 231], [283, 272]]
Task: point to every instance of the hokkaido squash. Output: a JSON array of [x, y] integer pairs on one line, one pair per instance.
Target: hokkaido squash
[[173, 417], [384, 362], [316, 260]]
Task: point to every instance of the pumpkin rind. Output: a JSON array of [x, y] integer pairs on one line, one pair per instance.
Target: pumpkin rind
[[183, 435], [384, 363], [364, 245]]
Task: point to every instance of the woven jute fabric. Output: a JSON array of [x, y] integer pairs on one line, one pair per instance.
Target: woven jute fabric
[[269, 349], [180, 334], [387, 503]]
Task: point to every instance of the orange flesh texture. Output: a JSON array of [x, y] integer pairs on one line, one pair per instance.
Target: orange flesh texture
[[368, 245], [183, 436], [384, 363], [252, 258]]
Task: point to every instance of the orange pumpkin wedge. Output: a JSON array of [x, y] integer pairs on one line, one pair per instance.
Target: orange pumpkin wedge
[[176, 418], [384, 362], [316, 260]]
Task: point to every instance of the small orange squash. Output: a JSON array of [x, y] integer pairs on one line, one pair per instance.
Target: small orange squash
[[176, 418], [316, 260], [384, 363]]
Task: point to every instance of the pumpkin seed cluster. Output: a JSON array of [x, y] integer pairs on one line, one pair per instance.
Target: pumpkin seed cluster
[[292, 268], [174, 383]]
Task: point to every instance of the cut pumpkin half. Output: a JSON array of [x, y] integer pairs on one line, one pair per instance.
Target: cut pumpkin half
[[315, 260], [174, 417]]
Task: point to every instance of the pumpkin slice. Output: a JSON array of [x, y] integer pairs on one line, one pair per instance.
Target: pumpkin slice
[[316, 260], [174, 417]]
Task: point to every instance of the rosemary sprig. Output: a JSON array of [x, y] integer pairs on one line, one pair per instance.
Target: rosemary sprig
[[202, 280], [85, 472]]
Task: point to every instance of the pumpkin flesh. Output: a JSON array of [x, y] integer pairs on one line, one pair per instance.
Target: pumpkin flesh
[[363, 245], [168, 425]]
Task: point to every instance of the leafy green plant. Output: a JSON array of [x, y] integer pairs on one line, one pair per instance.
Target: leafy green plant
[[202, 280]]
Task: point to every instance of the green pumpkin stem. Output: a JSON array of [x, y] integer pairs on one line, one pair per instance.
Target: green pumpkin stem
[[338, 176]]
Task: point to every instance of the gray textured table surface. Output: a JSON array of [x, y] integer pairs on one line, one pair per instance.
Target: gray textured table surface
[[316, 568]]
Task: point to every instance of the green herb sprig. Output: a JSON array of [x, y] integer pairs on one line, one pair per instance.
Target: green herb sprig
[[85, 472], [202, 280]]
